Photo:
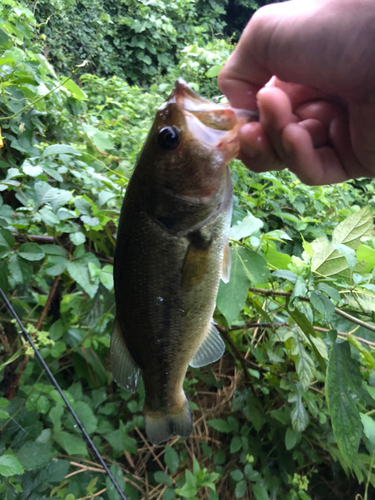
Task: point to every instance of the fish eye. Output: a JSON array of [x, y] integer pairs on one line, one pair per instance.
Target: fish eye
[[169, 138]]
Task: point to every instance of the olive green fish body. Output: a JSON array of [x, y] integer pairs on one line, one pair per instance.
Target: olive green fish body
[[172, 236]]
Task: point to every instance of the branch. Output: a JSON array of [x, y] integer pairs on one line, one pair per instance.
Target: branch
[[279, 293]]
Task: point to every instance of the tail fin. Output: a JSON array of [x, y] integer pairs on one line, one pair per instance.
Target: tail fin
[[160, 426]]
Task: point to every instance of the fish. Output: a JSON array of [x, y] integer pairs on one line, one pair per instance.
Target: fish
[[171, 250]]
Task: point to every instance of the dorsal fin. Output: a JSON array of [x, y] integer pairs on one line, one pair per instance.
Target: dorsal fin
[[125, 370], [211, 349]]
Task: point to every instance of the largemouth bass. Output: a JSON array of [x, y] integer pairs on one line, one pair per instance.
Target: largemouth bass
[[172, 248]]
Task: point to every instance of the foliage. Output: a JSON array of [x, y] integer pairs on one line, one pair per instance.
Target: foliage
[[286, 414]]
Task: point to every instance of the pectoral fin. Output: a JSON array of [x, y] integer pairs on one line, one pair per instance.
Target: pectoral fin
[[124, 368], [210, 350], [227, 264]]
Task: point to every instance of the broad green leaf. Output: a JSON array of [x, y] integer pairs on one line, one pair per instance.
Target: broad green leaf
[[248, 226], [10, 466], [21, 270], [219, 425], [79, 271], [58, 149], [54, 250], [6, 241], [236, 475], [323, 305], [90, 221], [120, 440], [77, 238], [260, 491], [35, 455], [342, 381], [119, 477], [305, 366], [171, 458], [56, 265], [31, 252], [241, 488], [292, 437], [76, 92], [355, 229], [214, 71], [275, 259], [351, 232], [348, 253], [247, 266], [369, 429], [362, 301], [102, 141], [235, 444], [87, 417], [31, 170], [363, 350], [162, 477], [367, 255], [72, 444], [330, 291]]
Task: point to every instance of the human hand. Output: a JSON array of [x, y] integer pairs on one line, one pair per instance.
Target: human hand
[[317, 111]]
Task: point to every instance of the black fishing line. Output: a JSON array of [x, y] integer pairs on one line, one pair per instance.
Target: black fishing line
[[53, 380]]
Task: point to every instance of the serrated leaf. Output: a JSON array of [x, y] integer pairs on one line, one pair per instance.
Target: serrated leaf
[[305, 366], [35, 455], [342, 380], [240, 489], [171, 458], [6, 241], [10, 466], [162, 477], [72, 444], [56, 265], [20, 270], [219, 425], [260, 491], [31, 252], [87, 417]]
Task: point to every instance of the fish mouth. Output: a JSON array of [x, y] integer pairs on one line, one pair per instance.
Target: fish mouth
[[217, 125]]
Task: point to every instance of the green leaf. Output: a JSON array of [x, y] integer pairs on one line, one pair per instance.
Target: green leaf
[[348, 253], [58, 149], [275, 259], [260, 491], [77, 238], [35, 455], [187, 491], [6, 241], [20, 270], [330, 291], [235, 444], [248, 226], [369, 429], [171, 459], [79, 271], [241, 488], [10, 465], [56, 265], [72, 444], [367, 255], [236, 475], [214, 71], [162, 477], [355, 229], [323, 305], [87, 417], [219, 425], [246, 266], [342, 380], [31, 252], [292, 437], [75, 91]]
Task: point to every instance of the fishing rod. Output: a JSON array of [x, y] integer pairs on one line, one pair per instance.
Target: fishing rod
[[54, 381]]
